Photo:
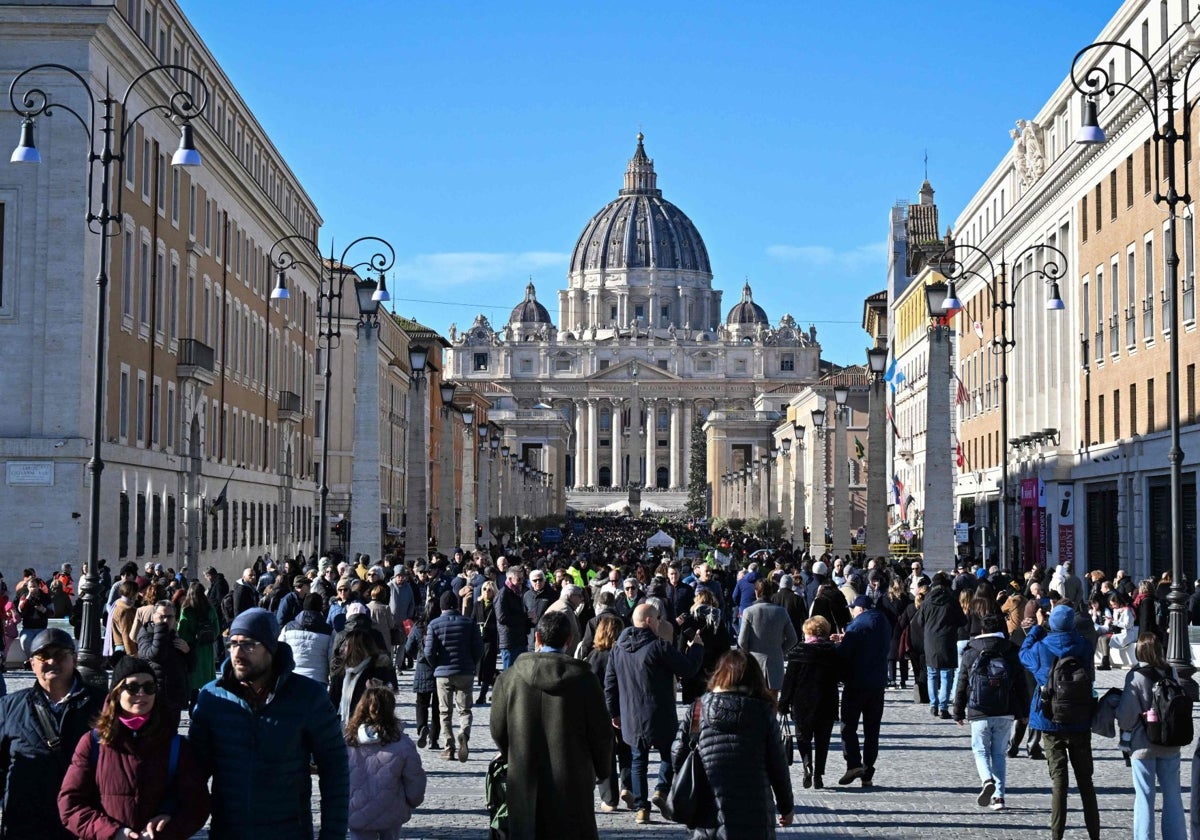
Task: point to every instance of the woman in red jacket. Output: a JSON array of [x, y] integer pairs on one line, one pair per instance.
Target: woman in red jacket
[[133, 777]]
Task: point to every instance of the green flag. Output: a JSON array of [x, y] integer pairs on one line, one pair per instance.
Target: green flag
[[858, 448]]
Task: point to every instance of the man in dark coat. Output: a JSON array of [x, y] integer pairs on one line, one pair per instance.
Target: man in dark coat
[[454, 646], [537, 599], [512, 620], [35, 759], [548, 718], [170, 657], [245, 595], [787, 598], [217, 589], [639, 688], [940, 617], [863, 649]]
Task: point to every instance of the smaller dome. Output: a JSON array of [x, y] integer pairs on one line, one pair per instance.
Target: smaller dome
[[529, 311], [747, 311]]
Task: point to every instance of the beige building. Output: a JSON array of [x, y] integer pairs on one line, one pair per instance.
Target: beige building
[[207, 381]]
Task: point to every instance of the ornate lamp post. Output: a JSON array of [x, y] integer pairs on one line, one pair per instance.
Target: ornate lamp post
[[106, 147], [1049, 264], [331, 279]]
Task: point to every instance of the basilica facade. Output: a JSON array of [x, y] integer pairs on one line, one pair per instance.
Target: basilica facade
[[610, 397]]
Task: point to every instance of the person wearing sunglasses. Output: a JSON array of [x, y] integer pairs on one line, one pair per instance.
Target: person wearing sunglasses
[[133, 776]]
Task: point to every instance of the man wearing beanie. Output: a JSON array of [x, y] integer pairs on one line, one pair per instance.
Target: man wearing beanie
[[1062, 741], [454, 646], [863, 649], [256, 729]]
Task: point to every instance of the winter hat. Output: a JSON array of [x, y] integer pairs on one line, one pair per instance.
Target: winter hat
[[447, 602], [127, 666], [259, 625], [1062, 618], [785, 582], [819, 568], [862, 602]]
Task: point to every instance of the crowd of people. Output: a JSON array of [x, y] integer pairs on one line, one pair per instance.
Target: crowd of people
[[589, 650]]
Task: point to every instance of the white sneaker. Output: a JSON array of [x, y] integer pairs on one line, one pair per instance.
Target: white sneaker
[[997, 804]]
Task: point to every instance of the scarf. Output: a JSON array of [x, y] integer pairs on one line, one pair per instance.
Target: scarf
[[134, 722], [349, 682]]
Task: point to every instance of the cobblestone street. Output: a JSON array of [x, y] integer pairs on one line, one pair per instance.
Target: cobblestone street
[[925, 786]]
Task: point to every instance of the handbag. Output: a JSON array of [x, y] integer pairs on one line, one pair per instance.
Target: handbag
[[690, 800], [789, 740]]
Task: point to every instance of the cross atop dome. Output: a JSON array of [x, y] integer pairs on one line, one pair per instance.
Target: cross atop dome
[[640, 178]]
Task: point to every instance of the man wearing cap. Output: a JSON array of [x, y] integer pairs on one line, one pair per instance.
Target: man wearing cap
[[293, 602], [454, 646], [863, 649], [256, 730], [39, 728]]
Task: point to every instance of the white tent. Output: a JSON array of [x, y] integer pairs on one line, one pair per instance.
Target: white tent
[[660, 539]]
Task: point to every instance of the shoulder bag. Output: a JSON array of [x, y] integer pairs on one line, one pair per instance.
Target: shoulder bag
[[690, 800]]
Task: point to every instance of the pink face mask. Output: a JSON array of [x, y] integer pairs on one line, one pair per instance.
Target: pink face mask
[[134, 722]]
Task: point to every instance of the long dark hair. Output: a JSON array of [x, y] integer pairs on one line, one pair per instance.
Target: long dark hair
[[195, 599], [739, 671], [376, 708], [358, 646]]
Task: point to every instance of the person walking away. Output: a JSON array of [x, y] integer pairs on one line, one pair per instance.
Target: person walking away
[[1062, 660], [39, 727], [454, 646], [639, 689], [616, 785], [548, 719], [766, 632], [1138, 715], [863, 649], [742, 752], [990, 694], [311, 640], [261, 786], [810, 695], [940, 617], [387, 780], [133, 776]]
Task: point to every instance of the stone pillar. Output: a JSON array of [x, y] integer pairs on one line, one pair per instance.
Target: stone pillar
[[470, 487], [841, 485], [685, 469], [593, 445], [416, 539], [676, 444], [651, 478], [798, 496], [617, 471], [636, 431], [877, 483], [485, 495], [365, 532], [580, 445], [819, 499], [446, 532], [937, 537]]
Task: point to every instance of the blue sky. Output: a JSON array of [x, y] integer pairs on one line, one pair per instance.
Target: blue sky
[[480, 138]]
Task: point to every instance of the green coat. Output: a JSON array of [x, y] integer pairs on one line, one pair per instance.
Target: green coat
[[548, 717], [204, 668]]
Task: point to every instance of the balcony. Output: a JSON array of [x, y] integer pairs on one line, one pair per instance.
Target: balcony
[[290, 409], [195, 361]]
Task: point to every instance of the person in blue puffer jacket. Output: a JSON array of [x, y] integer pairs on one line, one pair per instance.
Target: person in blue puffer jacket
[[1062, 742]]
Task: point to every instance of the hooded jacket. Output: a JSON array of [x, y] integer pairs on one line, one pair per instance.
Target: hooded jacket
[[639, 686], [1018, 690], [386, 781], [1038, 653], [810, 682], [259, 758], [311, 641], [940, 617], [548, 718]]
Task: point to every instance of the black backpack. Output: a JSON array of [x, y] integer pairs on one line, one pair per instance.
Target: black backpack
[[990, 682], [1173, 707], [1067, 694]]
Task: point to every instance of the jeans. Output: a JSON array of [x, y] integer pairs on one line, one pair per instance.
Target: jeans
[[1166, 769], [961, 645], [456, 690], [1077, 748], [939, 687], [867, 703], [989, 743], [640, 767], [509, 655]]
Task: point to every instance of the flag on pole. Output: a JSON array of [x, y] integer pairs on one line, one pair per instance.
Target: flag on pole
[[961, 396], [960, 458], [891, 371], [859, 450], [892, 419], [979, 329], [897, 380], [221, 502], [897, 488]]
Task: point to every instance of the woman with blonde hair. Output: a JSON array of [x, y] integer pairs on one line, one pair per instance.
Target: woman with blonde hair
[[608, 628], [484, 614], [133, 776], [810, 695], [704, 620]]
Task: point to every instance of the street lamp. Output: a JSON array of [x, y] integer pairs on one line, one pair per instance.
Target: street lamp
[[1168, 142], [111, 135], [1049, 264], [331, 278]]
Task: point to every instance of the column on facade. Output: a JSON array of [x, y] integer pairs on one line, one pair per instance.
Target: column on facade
[[484, 505], [416, 539], [470, 489], [365, 536], [636, 439], [651, 477], [675, 442], [616, 443], [841, 484], [685, 466], [798, 500], [819, 498], [937, 537], [593, 444], [446, 532], [877, 491], [580, 444]]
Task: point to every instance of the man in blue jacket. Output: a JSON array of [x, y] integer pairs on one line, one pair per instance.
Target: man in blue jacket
[[639, 689], [863, 649], [1061, 741], [257, 729], [454, 646]]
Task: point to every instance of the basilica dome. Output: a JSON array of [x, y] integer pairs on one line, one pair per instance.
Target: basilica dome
[[529, 311], [746, 311], [640, 229]]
